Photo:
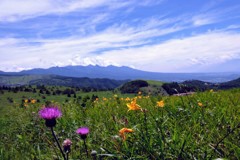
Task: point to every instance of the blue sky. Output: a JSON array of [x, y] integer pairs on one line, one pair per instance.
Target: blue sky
[[151, 35]]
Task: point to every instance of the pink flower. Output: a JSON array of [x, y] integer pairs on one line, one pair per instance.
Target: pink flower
[[50, 114], [83, 132]]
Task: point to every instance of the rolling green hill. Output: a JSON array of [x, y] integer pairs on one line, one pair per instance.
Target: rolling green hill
[[53, 80], [196, 86], [148, 87], [20, 79]]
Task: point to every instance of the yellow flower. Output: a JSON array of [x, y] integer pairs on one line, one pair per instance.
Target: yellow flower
[[160, 103], [200, 104], [26, 100], [211, 90], [133, 106], [33, 101], [123, 131], [105, 99], [139, 93], [127, 99]]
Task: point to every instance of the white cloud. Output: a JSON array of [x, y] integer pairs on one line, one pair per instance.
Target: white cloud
[[8, 41], [15, 10], [96, 60], [180, 54], [199, 21], [138, 42], [208, 15], [174, 55], [62, 50]]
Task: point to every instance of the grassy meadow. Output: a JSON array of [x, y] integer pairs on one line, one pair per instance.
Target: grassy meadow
[[200, 126]]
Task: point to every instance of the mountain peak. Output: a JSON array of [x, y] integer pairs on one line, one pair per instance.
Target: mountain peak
[[124, 72]]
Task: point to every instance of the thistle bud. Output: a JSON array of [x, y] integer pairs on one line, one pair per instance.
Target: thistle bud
[[67, 145]]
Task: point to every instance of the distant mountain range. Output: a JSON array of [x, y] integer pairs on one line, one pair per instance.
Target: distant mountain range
[[55, 80], [123, 73]]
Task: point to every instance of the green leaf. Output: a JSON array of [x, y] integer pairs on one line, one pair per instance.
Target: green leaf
[[19, 136]]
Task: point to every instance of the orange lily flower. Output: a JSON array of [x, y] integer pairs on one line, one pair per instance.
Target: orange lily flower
[[33, 101], [133, 106], [200, 104], [160, 103], [123, 131]]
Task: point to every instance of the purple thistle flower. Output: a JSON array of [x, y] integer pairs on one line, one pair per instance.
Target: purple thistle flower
[[83, 132], [50, 114]]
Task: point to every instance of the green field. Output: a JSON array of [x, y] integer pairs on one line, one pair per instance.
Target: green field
[[199, 126]]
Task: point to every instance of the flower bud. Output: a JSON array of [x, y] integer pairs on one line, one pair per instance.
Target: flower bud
[[67, 145]]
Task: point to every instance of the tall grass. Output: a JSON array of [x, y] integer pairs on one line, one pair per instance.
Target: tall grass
[[180, 130]]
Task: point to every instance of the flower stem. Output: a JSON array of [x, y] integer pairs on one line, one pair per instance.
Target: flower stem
[[145, 124], [58, 143], [67, 155], [86, 150]]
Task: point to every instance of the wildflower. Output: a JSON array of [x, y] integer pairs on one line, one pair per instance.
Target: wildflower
[[50, 114], [211, 90], [200, 104], [123, 131], [160, 103], [26, 100], [66, 145], [33, 101], [139, 93], [133, 106], [127, 99], [83, 132]]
